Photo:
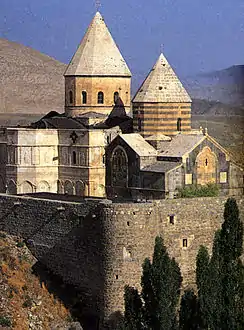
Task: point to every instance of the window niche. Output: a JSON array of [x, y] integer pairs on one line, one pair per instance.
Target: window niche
[[84, 97], [127, 255], [71, 98], [100, 98], [184, 243], [74, 158], [171, 218], [116, 97], [179, 120]]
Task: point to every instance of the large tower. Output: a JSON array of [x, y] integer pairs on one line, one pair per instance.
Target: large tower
[[161, 105], [97, 74]]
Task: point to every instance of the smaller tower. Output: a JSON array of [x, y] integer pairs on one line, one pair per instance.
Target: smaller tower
[[161, 105], [97, 74]]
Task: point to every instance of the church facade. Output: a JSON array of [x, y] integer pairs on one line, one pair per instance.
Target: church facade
[[96, 149]]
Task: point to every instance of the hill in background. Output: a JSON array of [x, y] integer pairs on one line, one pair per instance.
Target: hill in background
[[31, 82], [224, 86]]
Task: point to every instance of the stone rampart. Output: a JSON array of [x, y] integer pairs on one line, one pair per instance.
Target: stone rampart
[[99, 246]]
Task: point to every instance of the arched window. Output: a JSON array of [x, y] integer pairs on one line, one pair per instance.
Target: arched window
[[119, 168], [71, 97], [179, 124], [74, 158], [100, 98], [116, 97], [84, 97]]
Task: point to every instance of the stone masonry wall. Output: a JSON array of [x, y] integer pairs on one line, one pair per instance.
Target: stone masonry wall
[[99, 246], [130, 231]]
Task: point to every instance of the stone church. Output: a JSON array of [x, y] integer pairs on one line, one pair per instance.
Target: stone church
[[106, 144]]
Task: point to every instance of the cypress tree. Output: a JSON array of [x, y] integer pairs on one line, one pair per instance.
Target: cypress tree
[[202, 281], [133, 317], [221, 283], [231, 241], [161, 281], [189, 311]]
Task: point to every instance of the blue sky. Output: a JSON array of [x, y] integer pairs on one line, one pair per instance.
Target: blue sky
[[197, 35]]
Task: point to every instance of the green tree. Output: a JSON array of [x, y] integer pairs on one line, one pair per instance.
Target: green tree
[[133, 317], [202, 278], [221, 282], [189, 311], [155, 308], [231, 241], [161, 282]]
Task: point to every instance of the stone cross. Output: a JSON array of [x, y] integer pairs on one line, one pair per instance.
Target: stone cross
[[98, 4]]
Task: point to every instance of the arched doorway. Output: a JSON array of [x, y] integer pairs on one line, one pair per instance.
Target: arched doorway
[[119, 168], [206, 166]]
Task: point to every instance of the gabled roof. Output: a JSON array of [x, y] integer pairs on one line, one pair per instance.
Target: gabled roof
[[162, 85], [138, 144], [180, 145], [161, 167], [97, 54]]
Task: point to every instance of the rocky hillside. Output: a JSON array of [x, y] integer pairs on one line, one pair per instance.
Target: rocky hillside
[[25, 302], [30, 82]]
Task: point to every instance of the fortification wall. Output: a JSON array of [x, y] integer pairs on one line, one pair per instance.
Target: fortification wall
[[99, 247], [42, 222], [130, 231]]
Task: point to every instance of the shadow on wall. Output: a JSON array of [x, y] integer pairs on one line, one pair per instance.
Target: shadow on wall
[[73, 299]]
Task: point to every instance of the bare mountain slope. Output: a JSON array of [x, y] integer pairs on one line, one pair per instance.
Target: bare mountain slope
[[31, 82]]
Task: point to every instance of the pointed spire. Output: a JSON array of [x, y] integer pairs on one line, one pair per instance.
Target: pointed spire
[[162, 85], [97, 54]]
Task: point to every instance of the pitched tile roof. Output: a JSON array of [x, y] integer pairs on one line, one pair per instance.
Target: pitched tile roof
[[138, 144], [97, 54], [180, 145], [162, 85], [161, 167]]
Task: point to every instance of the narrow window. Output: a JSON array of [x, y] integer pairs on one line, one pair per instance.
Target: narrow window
[[70, 97], [84, 97], [100, 98], [179, 124], [139, 124], [108, 139], [206, 162], [116, 277], [184, 242], [74, 160], [128, 223], [116, 97], [172, 219]]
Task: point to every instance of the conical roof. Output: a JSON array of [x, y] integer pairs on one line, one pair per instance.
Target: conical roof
[[97, 54], [162, 85]]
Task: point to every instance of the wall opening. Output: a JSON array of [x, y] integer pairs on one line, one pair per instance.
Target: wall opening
[[172, 219], [116, 97], [71, 99], [100, 98], [84, 97], [179, 120], [74, 158], [184, 243], [119, 166]]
